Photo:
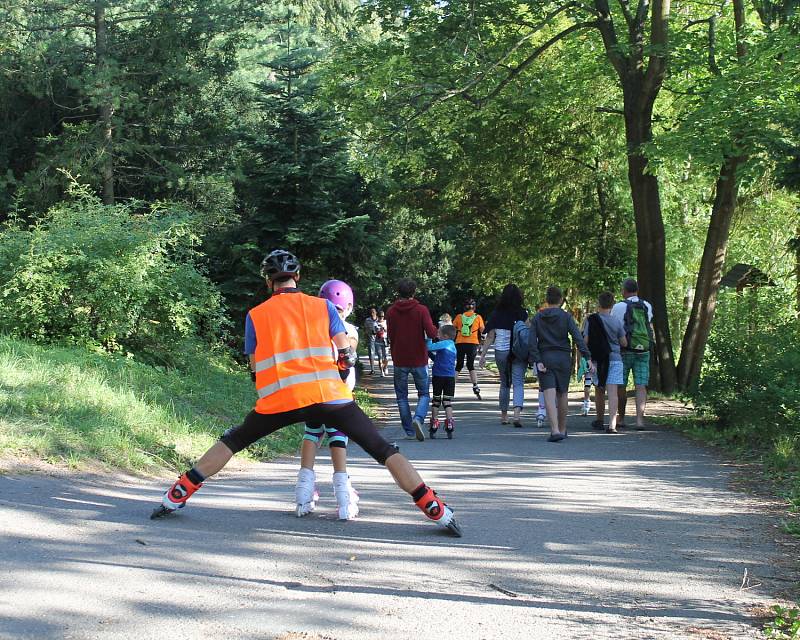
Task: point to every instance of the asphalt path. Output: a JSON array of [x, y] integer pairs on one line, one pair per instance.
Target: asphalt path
[[638, 535]]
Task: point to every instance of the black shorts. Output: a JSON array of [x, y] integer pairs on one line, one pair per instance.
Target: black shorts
[[468, 351], [347, 418], [444, 386]]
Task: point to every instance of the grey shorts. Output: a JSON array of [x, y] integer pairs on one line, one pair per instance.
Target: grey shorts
[[559, 370]]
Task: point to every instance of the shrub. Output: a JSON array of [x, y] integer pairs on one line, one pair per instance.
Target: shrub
[[124, 278], [750, 376]]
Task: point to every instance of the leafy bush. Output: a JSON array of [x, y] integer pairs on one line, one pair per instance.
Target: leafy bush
[[123, 277], [750, 379]]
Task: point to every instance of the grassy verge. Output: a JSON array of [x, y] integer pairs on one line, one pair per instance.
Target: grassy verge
[[70, 406]]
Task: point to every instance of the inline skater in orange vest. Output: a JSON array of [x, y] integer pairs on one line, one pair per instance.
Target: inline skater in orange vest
[[297, 380]]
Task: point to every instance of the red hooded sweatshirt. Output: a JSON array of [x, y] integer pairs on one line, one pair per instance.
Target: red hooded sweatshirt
[[408, 322]]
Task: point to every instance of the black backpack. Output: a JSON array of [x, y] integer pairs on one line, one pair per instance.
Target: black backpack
[[598, 341]]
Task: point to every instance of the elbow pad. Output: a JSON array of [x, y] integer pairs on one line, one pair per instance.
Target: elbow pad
[[347, 358]]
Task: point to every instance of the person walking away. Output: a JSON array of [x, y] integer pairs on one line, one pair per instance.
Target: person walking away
[[408, 323], [604, 336], [470, 327], [585, 375], [443, 353], [381, 340], [550, 350], [499, 332], [369, 331], [636, 316], [297, 380], [306, 495]]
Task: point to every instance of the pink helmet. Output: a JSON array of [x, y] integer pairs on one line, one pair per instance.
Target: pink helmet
[[339, 293]]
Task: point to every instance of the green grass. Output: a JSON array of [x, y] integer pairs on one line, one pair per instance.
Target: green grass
[[71, 406]]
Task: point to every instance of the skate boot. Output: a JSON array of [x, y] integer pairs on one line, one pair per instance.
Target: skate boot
[[434, 428], [449, 427], [436, 509], [586, 407], [540, 420], [175, 497], [346, 496], [306, 493], [477, 391]]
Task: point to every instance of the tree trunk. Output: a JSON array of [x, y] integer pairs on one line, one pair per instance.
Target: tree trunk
[[710, 275], [651, 244], [106, 109]]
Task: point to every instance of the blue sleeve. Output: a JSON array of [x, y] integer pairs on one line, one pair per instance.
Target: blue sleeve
[[437, 346], [335, 322], [249, 335]]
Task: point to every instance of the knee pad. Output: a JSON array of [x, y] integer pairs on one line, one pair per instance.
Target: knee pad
[[314, 434], [336, 438], [447, 401], [386, 452], [436, 401]]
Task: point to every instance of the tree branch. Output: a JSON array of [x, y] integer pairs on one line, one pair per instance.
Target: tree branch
[[610, 41], [531, 58], [659, 39]]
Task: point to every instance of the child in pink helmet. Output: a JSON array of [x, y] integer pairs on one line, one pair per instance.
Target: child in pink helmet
[[341, 296]]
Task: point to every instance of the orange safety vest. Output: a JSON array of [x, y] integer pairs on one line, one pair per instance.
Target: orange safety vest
[[293, 362]]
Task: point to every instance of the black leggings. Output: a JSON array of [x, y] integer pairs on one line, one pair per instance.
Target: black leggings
[[467, 351], [347, 418]]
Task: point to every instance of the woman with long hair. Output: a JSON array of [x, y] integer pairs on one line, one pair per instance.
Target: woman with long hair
[[500, 329]]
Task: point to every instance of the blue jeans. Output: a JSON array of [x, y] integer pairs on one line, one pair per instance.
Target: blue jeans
[[421, 382], [515, 370]]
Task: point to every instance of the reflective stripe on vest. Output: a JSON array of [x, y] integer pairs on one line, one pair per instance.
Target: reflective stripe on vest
[[283, 383], [294, 354]]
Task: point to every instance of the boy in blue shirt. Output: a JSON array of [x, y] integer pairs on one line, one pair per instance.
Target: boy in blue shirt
[[443, 354]]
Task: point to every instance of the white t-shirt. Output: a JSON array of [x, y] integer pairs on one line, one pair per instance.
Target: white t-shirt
[[618, 310]]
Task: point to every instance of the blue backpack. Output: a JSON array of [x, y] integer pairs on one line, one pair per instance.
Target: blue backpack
[[519, 340]]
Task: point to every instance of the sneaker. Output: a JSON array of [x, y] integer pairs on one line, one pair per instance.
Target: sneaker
[[555, 437], [540, 420], [518, 424], [598, 424], [418, 429], [610, 430], [477, 391], [585, 408]]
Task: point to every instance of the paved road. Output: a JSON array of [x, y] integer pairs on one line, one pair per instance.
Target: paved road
[[633, 536]]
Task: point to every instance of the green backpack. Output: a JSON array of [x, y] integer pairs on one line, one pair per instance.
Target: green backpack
[[466, 324], [637, 326]]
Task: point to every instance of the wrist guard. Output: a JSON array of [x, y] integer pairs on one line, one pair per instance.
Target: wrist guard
[[347, 359]]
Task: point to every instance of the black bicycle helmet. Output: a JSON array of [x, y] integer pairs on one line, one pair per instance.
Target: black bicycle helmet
[[279, 264]]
